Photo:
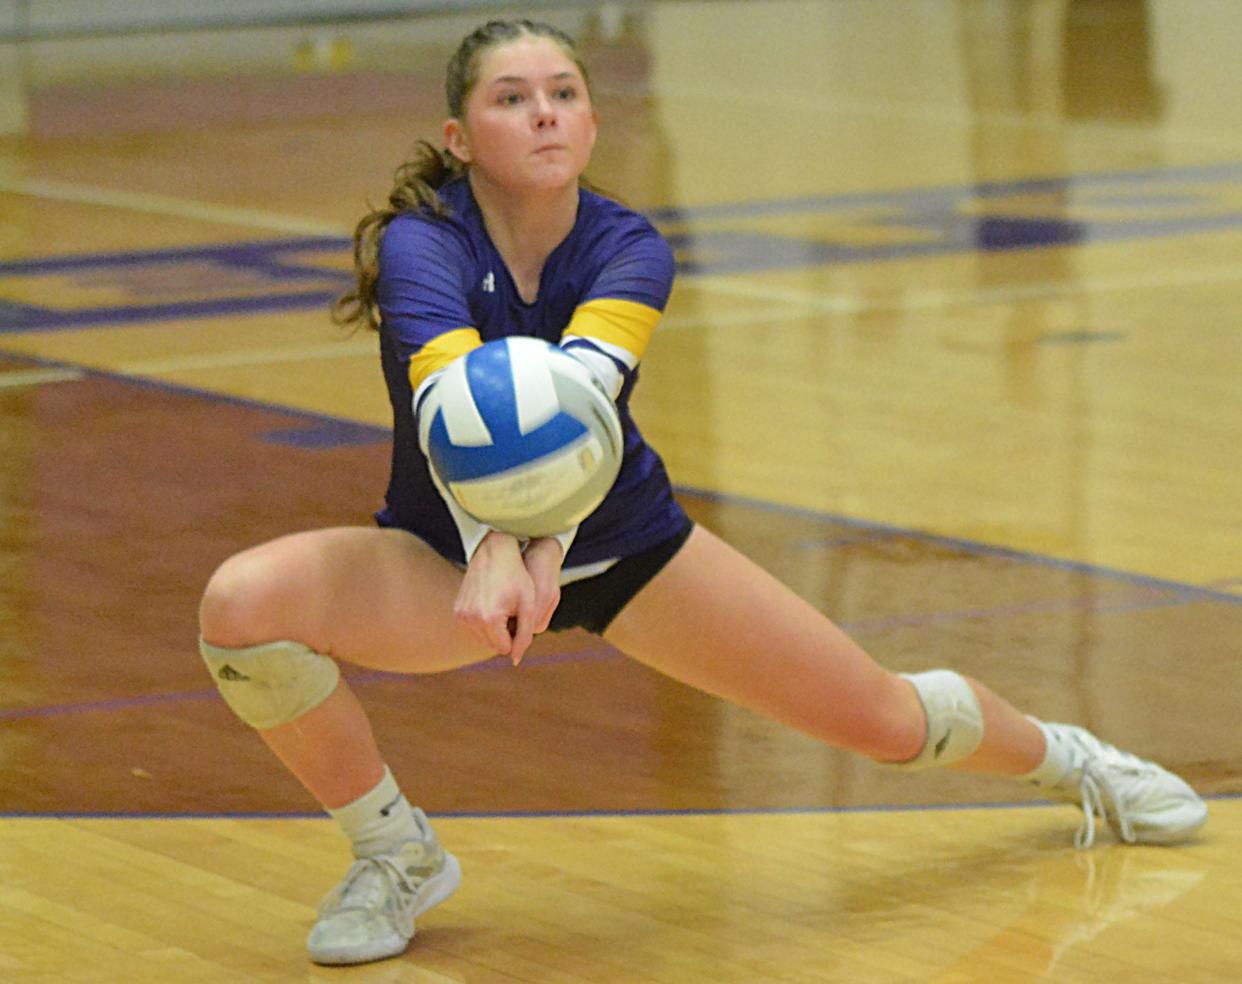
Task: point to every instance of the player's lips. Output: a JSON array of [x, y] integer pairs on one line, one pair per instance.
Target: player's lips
[[549, 147]]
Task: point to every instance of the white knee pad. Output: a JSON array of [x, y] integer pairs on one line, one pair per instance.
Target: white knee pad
[[271, 684], [954, 718]]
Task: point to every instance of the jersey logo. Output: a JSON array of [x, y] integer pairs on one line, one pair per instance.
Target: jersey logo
[[489, 283]]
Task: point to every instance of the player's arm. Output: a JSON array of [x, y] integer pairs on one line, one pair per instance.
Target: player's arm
[[426, 402], [610, 329], [511, 587], [422, 297], [423, 300]]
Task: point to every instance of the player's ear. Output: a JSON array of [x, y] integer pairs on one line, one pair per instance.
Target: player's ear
[[455, 139]]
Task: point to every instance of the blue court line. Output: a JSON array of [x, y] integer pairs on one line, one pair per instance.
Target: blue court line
[[260, 250], [592, 814], [934, 216], [314, 420], [725, 211], [1190, 173], [857, 630], [970, 546], [360, 677], [1134, 601], [323, 420], [1176, 593]]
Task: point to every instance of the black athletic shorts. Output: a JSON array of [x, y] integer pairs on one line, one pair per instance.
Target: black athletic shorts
[[594, 602]]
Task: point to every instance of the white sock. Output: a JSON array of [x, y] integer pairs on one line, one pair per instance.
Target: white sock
[[1058, 759], [378, 821]]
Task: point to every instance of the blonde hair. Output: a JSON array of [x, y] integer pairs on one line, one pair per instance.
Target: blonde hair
[[417, 180]]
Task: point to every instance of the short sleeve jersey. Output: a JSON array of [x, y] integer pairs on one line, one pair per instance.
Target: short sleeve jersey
[[439, 275]]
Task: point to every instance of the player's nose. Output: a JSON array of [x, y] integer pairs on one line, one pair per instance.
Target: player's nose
[[545, 111]]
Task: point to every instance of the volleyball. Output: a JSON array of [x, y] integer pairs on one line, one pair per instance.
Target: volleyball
[[523, 437]]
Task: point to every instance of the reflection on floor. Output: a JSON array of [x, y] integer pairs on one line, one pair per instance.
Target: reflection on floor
[[121, 497]]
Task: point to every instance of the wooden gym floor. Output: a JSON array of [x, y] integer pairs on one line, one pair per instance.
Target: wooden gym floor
[[954, 353]]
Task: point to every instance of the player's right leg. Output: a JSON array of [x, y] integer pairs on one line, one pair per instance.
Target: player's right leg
[[274, 621], [715, 620]]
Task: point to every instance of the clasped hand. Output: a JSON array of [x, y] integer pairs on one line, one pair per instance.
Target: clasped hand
[[508, 595]]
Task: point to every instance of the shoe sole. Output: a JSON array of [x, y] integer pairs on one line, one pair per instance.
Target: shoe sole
[[1183, 826]]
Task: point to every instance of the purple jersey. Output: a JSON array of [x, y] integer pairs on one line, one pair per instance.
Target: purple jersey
[[606, 282]]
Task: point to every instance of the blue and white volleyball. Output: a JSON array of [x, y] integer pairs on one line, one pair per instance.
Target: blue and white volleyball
[[523, 437]]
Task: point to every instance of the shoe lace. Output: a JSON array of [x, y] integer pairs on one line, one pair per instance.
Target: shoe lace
[[1098, 795], [1099, 764], [356, 892]]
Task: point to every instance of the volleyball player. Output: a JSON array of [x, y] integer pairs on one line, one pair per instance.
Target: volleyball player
[[496, 236]]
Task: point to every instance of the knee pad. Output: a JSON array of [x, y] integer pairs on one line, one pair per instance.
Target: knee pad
[[271, 684], [954, 719]]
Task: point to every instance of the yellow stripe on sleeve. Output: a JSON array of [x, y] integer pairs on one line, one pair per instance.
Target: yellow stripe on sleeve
[[440, 351], [627, 324]]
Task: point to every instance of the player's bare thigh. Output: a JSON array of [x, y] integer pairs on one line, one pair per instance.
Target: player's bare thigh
[[717, 621], [378, 598]]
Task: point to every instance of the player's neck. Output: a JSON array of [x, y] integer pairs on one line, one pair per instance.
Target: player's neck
[[526, 229]]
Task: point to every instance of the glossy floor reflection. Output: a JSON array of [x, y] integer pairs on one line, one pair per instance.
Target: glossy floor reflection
[[123, 497], [953, 352], [945, 896]]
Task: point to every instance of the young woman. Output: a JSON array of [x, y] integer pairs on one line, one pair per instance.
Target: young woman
[[496, 236]]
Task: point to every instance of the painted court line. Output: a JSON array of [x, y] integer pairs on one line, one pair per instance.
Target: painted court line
[[38, 377], [602, 814], [313, 418], [134, 201], [1142, 600], [368, 346], [351, 348], [359, 677], [824, 302], [828, 303], [1146, 599], [939, 115], [1138, 601]]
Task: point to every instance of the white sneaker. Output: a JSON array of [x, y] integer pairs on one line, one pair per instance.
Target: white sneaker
[[1143, 803], [370, 914]]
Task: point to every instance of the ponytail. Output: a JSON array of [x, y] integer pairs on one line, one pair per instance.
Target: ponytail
[[414, 190]]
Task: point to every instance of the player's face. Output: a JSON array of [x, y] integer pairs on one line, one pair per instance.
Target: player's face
[[529, 124]]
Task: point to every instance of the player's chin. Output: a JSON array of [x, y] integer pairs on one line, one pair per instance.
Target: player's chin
[[551, 174]]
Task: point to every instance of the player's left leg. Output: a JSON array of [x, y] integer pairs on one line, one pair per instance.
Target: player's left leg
[[275, 621], [715, 620]]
